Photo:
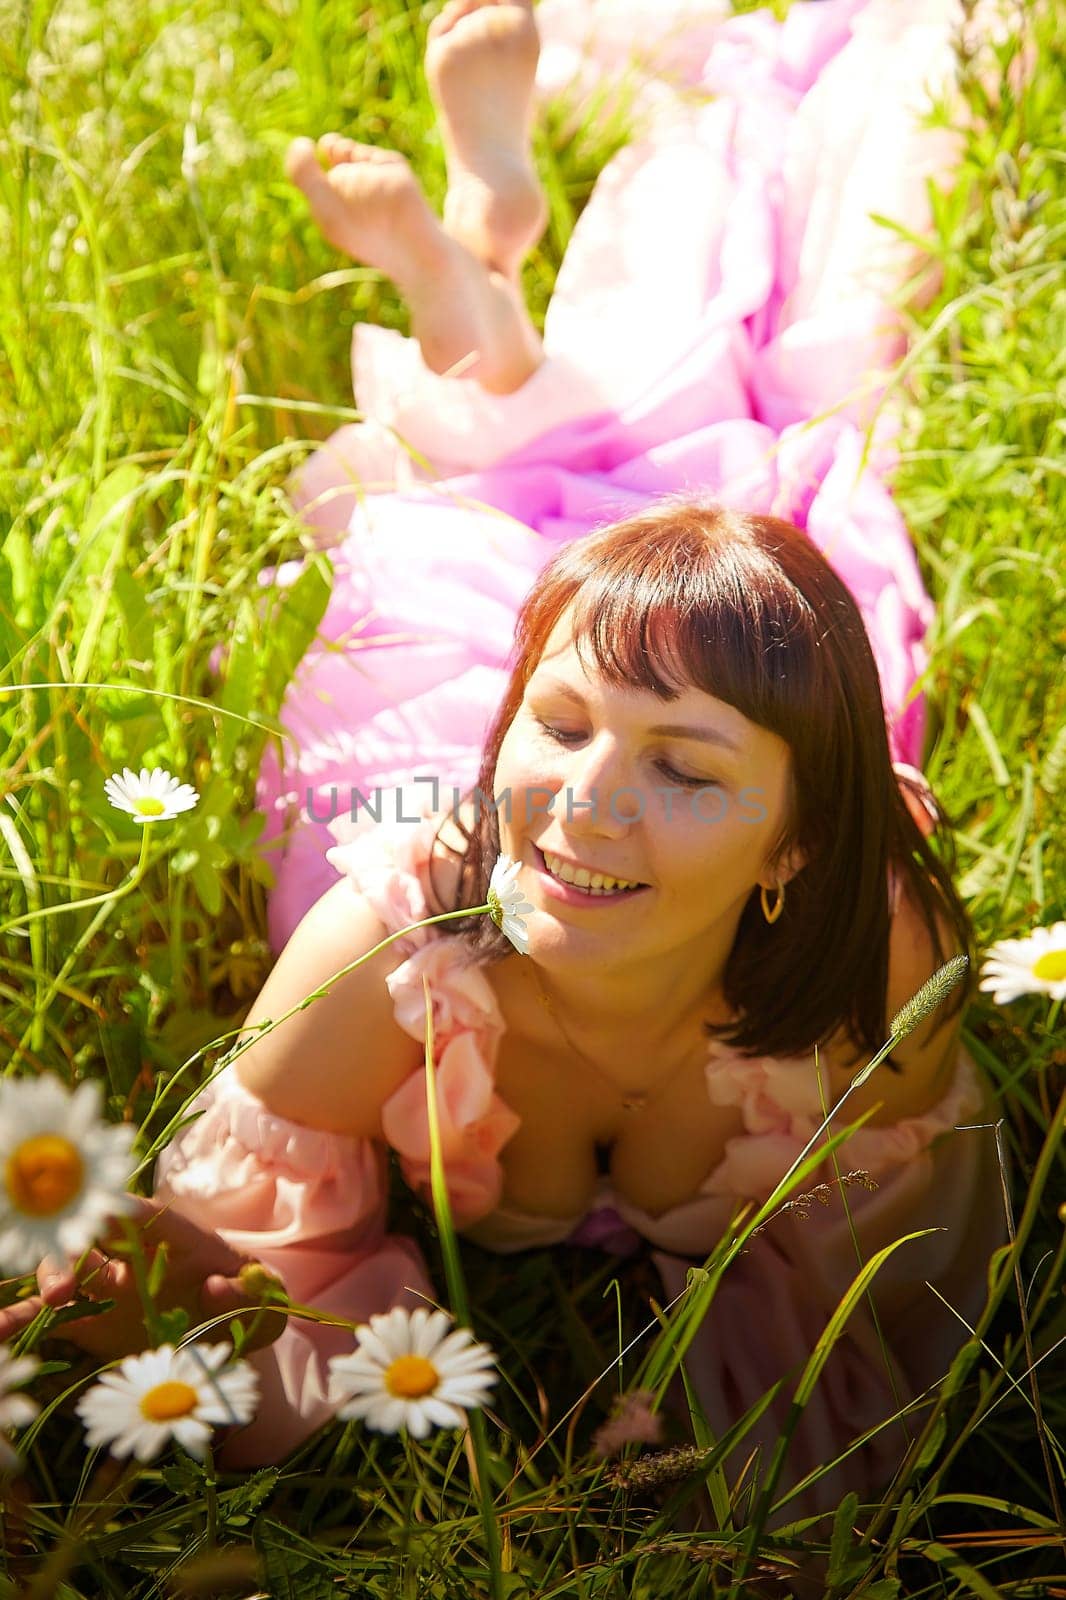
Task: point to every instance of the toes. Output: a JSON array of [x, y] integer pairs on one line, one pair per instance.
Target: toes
[[335, 148], [305, 171], [453, 12], [339, 151], [301, 164]]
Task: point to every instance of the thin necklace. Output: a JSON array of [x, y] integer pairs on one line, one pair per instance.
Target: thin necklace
[[634, 1100]]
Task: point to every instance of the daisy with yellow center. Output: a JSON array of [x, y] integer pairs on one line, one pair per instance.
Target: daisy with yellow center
[[15, 1409], [154, 796], [1034, 965], [63, 1170], [408, 1371], [168, 1394]]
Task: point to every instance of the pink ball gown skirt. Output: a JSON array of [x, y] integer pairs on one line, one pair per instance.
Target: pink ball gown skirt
[[721, 327]]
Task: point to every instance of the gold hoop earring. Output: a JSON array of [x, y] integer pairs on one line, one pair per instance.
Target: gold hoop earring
[[772, 916]]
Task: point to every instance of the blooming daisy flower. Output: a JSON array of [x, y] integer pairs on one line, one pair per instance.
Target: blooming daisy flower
[[155, 796], [1034, 965], [63, 1170], [506, 905], [167, 1394], [408, 1371], [15, 1409]]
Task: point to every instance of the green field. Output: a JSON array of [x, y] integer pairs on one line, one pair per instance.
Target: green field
[[175, 339]]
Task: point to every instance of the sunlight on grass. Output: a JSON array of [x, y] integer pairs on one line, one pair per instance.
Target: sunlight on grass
[[157, 269]]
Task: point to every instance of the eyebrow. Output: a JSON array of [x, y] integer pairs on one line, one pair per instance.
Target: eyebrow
[[675, 730]]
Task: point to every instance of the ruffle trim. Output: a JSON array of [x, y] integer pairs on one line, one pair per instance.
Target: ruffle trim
[[233, 1115], [385, 863], [475, 1123], [276, 1178], [779, 1101]]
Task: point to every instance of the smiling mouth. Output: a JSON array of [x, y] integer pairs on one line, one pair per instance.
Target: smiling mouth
[[594, 884]]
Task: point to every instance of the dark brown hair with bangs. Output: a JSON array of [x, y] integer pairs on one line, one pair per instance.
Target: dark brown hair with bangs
[[747, 609]]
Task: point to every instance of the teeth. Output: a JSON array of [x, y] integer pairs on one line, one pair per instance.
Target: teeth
[[593, 882]]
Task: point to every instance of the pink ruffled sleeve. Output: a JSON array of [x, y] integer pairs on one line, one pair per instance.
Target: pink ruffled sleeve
[[311, 1207], [927, 1171], [388, 864]]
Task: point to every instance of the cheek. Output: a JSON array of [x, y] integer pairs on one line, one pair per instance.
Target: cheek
[[525, 777], [524, 762], [707, 849]]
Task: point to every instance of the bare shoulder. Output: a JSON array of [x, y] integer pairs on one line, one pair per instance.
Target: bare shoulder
[[335, 1061], [926, 1057]]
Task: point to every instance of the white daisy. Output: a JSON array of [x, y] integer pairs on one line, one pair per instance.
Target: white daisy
[[15, 1409], [1034, 965], [408, 1371], [63, 1170], [506, 905], [166, 1394], [155, 796]]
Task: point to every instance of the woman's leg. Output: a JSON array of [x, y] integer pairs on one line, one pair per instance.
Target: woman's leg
[[481, 61], [467, 313]]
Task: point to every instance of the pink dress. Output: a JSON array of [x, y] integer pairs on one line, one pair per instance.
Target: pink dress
[[311, 1206], [721, 326]]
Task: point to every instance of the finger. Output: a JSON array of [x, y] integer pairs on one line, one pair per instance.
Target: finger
[[97, 1273], [162, 1223], [13, 1319], [56, 1282]]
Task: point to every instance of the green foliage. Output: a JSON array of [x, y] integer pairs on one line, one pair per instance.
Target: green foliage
[[175, 337]]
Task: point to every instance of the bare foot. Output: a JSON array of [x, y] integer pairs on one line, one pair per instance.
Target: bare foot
[[481, 60], [368, 203]]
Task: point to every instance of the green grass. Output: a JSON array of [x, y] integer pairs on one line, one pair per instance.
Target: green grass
[[173, 346]]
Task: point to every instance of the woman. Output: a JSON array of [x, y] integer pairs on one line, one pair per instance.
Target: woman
[[688, 758], [650, 1062]]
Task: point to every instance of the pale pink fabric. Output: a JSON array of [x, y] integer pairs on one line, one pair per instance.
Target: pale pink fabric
[[310, 1206], [721, 326]]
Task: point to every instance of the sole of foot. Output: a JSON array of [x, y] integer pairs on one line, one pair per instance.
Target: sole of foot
[[481, 62], [369, 204]]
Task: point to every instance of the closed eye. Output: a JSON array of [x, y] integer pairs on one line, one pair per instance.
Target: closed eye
[[686, 779]]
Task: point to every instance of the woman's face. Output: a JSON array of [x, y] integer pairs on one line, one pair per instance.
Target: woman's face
[[683, 797]]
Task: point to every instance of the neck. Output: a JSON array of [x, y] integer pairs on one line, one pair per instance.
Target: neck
[[650, 1001]]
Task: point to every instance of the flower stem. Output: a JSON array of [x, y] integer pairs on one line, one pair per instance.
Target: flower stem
[[453, 1273], [107, 898]]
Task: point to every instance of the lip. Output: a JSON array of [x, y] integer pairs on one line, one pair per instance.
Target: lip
[[570, 895]]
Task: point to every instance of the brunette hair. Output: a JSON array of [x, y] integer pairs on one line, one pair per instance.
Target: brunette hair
[[749, 610]]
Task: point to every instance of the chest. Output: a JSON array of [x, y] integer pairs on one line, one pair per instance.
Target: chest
[[574, 1129]]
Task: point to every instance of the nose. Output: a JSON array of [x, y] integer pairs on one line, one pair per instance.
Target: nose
[[596, 797]]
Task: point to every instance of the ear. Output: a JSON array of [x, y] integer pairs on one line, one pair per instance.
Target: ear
[[783, 869]]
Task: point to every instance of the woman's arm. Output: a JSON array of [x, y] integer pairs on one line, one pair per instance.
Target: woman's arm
[[333, 1064], [328, 1067]]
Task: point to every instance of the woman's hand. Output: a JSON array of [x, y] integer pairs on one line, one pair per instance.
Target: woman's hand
[[201, 1276]]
